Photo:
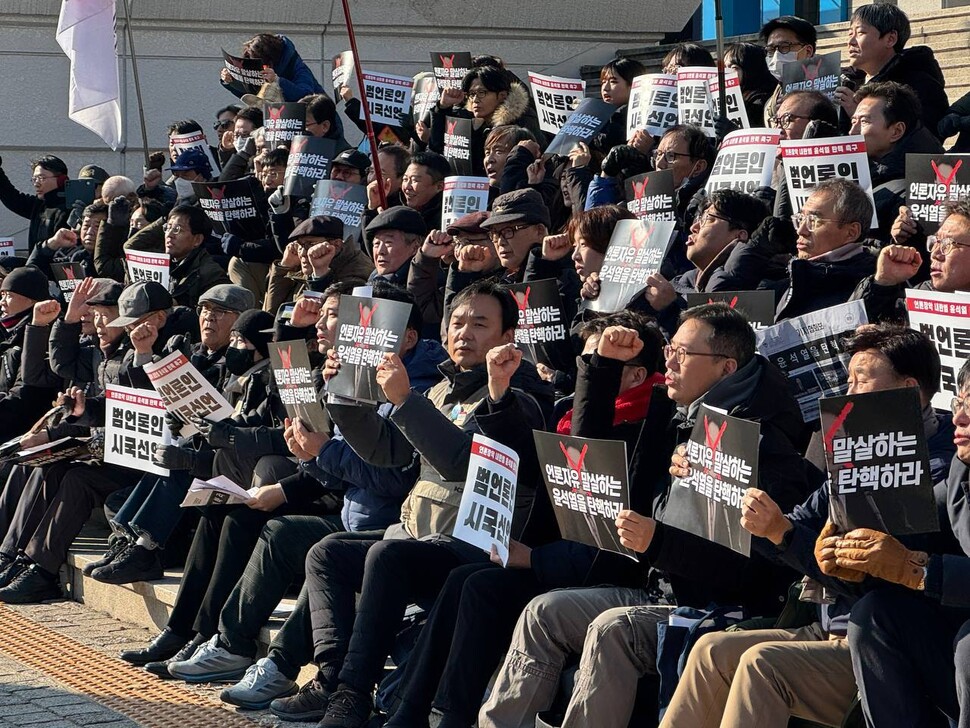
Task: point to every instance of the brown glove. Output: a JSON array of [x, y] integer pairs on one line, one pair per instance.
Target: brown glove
[[882, 556], [825, 556]]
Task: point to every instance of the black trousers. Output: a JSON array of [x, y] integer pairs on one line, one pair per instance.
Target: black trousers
[[23, 505]]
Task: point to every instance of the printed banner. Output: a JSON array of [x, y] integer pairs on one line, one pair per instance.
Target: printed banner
[[736, 110], [294, 381], [367, 328], [555, 98], [652, 105], [341, 200], [694, 97], [388, 97], [282, 122], [485, 512], [933, 180], [582, 125], [945, 319], [878, 462], [810, 161], [424, 94], [462, 196], [636, 250], [745, 161], [231, 206], [187, 394], [217, 491], [816, 73], [650, 196], [7, 247], [307, 164], [450, 68], [247, 73], [134, 428], [194, 140], [144, 266], [810, 351], [757, 306], [458, 145], [542, 321], [723, 456], [588, 486], [69, 277]]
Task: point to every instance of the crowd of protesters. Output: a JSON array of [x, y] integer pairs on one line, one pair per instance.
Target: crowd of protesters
[[356, 519]]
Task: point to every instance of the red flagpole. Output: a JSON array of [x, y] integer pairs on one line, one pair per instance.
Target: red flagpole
[[363, 102]]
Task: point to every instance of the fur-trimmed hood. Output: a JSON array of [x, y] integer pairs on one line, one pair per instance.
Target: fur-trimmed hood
[[510, 111]]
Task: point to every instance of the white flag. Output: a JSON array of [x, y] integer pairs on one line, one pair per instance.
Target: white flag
[[86, 33]]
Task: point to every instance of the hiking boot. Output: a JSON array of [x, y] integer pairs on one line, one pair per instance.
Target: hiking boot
[[30, 586], [134, 563], [262, 683], [165, 645], [160, 668], [210, 663], [309, 704], [116, 544], [12, 570], [349, 708]]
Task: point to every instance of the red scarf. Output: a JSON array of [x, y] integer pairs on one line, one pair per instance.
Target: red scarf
[[631, 405]]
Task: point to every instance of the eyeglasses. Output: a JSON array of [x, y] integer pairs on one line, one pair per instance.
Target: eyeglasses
[[669, 156], [786, 120], [959, 407], [212, 313], [508, 232], [708, 216], [787, 47], [174, 229], [38, 178], [813, 221], [680, 353], [946, 245], [223, 125], [476, 95]]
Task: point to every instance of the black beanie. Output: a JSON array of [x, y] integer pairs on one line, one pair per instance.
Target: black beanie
[[251, 325], [29, 282]]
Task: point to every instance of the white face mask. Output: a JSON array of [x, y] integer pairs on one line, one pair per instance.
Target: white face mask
[[183, 188], [778, 59], [240, 143]]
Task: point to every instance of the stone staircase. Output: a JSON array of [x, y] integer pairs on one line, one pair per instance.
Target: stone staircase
[[947, 33]]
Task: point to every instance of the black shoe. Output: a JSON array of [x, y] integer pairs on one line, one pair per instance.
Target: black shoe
[[349, 708], [10, 571], [308, 704], [165, 645], [134, 563], [159, 668], [30, 586], [116, 544]]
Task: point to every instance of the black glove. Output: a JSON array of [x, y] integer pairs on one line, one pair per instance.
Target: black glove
[[175, 458], [217, 434], [119, 212], [77, 213], [724, 126], [231, 244], [625, 160], [949, 125], [174, 423]]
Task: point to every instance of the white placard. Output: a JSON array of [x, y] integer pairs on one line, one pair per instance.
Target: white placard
[[187, 394], [736, 110], [134, 428], [194, 139], [652, 105], [461, 196], [745, 161], [944, 318], [694, 97], [485, 512], [144, 266], [388, 97], [7, 247], [556, 98]]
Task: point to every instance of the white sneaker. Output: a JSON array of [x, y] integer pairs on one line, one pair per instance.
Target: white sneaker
[[210, 663], [262, 683]]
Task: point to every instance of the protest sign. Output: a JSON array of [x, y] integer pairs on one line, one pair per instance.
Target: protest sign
[[69, 277], [556, 98], [736, 110], [307, 164], [582, 125], [66, 448], [217, 491], [723, 456], [650, 196], [878, 462], [343, 72], [932, 181], [694, 104], [810, 161], [542, 321], [247, 73], [367, 328], [652, 105], [294, 382], [187, 394], [815, 73], [757, 306], [282, 122], [636, 250], [944, 318], [79, 190], [424, 94], [810, 351], [461, 196], [458, 145], [588, 486], [134, 428], [485, 512], [231, 206], [450, 68], [194, 140], [341, 200], [745, 161], [7, 247], [144, 266], [388, 97]]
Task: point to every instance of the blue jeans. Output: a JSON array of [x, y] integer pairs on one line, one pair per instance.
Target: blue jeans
[[153, 510]]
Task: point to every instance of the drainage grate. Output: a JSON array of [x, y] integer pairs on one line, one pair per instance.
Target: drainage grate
[[114, 684]]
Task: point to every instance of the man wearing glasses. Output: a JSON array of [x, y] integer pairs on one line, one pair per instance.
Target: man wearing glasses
[[192, 270], [46, 208], [787, 39]]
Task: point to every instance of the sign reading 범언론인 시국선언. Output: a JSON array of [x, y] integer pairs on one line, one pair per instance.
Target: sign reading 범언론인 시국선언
[[488, 500]]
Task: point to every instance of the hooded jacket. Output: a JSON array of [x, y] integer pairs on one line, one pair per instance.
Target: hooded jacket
[[47, 214], [295, 78]]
